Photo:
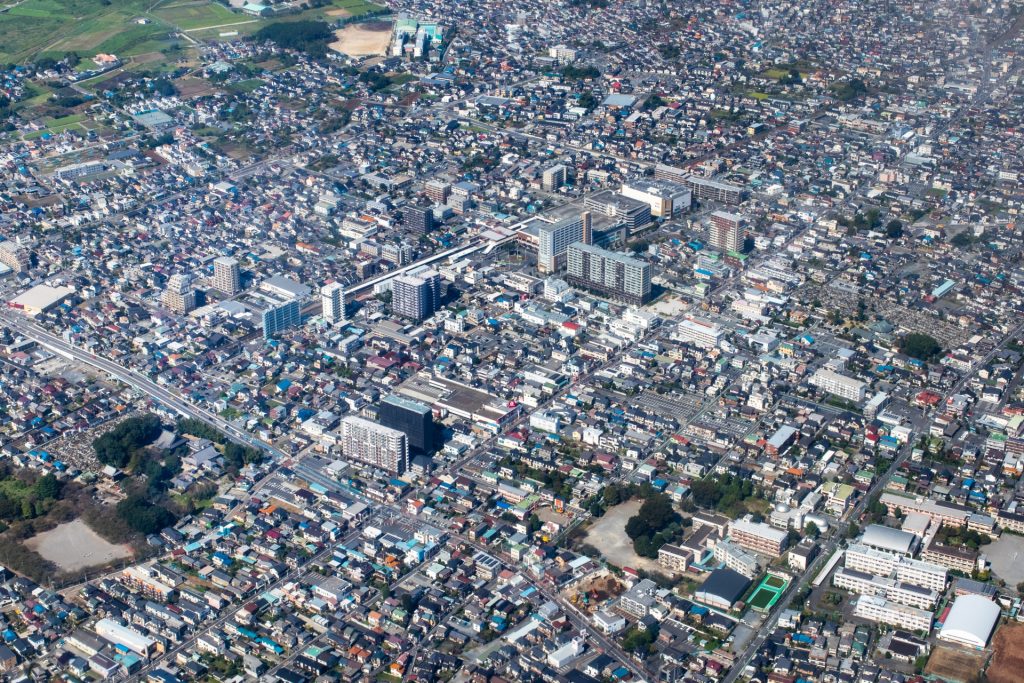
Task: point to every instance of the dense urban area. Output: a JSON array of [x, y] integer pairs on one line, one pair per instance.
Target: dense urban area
[[546, 340]]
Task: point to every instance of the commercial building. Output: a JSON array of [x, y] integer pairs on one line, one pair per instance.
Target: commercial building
[[970, 621], [634, 214], [878, 609], [726, 231], [417, 293], [40, 299], [553, 177], [839, 385], [374, 444], [227, 276], [15, 256], [412, 418], [418, 219], [553, 240], [664, 197], [700, 332], [757, 536], [617, 276], [332, 299], [179, 296]]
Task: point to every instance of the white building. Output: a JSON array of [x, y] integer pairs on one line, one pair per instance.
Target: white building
[[700, 332], [839, 385], [970, 622], [332, 297], [664, 197], [874, 608]]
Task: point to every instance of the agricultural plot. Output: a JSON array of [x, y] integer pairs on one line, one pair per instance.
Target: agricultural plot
[[191, 16]]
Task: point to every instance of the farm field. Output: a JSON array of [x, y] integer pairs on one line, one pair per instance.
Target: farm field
[[196, 14]]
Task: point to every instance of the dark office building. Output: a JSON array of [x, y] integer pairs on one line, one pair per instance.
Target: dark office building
[[412, 418], [418, 218]]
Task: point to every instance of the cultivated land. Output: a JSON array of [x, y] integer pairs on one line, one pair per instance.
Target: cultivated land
[[608, 534], [361, 40], [131, 27], [1007, 665], [956, 664], [73, 546]]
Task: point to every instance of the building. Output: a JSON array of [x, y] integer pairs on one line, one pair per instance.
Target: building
[[437, 191], [958, 559], [617, 276], [332, 299], [633, 213], [890, 589], [726, 231], [706, 188], [553, 240], [417, 294], [736, 558], [40, 299], [722, 589], [374, 444], [553, 177], [15, 256], [179, 296], [878, 609], [839, 385], [887, 538], [418, 219], [120, 635], [227, 276], [926, 574], [700, 332], [970, 621], [638, 600], [674, 558], [412, 418], [664, 197], [757, 536]]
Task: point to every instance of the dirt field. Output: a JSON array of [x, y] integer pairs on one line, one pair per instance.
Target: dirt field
[[362, 40], [338, 13], [1008, 658], [608, 535], [73, 546], [956, 664]]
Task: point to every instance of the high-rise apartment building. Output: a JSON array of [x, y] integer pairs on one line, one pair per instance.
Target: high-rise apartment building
[[15, 256], [370, 443], [179, 296], [417, 294], [419, 219], [437, 191], [332, 297], [553, 177], [412, 418], [617, 276], [227, 276], [726, 231], [554, 240]]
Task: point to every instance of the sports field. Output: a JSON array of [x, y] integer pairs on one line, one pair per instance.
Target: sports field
[[197, 14], [767, 593]]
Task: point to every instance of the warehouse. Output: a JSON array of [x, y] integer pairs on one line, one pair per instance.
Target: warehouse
[[40, 299]]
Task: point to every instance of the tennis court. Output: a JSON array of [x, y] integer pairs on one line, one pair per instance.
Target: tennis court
[[767, 593]]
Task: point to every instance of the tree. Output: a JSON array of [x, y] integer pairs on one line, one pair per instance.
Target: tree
[[811, 530], [894, 229], [48, 487], [311, 37], [919, 345], [143, 515], [117, 446]]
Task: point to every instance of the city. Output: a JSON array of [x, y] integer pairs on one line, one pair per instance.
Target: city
[[578, 341]]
